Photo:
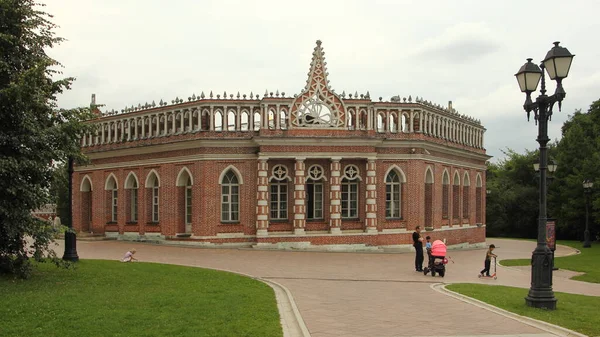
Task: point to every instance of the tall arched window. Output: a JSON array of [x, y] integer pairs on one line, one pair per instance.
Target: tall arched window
[[230, 195], [428, 197], [445, 195], [456, 196], [465, 196], [152, 188], [112, 198], [350, 192], [393, 195], [314, 192], [279, 193], [188, 201], [131, 198], [86, 204]]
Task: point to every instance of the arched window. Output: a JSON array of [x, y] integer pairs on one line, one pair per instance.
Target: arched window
[[245, 121], [314, 192], [456, 196], [230, 194], [445, 195], [231, 122], [465, 196], [152, 186], [112, 197], [393, 195], [86, 204], [218, 118], [257, 121], [131, 197], [188, 201], [279, 193], [428, 197], [350, 192]]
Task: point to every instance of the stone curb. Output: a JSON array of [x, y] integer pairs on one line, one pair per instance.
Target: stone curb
[[548, 327], [296, 323]]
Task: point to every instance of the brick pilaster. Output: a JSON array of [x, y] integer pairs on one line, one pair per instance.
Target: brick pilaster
[[299, 196], [335, 194], [262, 199], [371, 197]]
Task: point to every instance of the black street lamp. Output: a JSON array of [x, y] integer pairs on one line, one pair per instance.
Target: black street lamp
[[70, 238], [557, 63], [587, 188]]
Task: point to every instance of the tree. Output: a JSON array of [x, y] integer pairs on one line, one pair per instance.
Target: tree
[[578, 154], [35, 134], [512, 205]]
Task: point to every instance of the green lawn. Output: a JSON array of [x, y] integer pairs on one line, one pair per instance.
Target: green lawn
[[575, 312], [587, 262], [109, 298]]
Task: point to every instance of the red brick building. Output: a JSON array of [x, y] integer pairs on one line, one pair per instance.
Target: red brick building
[[315, 169]]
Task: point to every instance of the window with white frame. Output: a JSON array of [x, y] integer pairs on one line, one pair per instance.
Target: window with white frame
[[111, 187], [314, 193], [153, 185], [188, 201], [230, 197], [279, 193], [393, 190], [134, 201], [350, 192]]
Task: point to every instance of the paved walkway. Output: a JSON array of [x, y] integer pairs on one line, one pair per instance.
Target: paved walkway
[[365, 294]]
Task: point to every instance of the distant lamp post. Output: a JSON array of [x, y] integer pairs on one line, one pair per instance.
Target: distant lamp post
[[557, 63], [70, 237], [587, 188]]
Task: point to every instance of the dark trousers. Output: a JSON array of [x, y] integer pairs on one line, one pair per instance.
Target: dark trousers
[[419, 258], [486, 270]]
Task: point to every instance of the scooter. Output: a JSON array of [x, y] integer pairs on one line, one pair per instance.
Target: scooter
[[491, 276]]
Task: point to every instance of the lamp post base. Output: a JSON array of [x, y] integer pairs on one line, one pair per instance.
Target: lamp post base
[[548, 303], [586, 239], [70, 247], [540, 293]]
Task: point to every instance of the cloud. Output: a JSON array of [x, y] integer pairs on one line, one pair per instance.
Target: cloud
[[461, 43]]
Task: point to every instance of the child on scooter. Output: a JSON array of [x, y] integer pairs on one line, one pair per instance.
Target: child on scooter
[[488, 261]]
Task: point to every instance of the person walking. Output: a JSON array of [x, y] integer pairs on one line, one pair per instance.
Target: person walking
[[418, 244]]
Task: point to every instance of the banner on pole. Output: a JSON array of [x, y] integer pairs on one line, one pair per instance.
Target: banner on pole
[[551, 234]]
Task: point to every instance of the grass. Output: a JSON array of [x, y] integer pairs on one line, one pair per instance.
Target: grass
[[109, 298], [587, 262], [575, 312]]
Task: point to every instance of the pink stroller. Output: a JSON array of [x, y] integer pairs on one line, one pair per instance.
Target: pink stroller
[[437, 259]]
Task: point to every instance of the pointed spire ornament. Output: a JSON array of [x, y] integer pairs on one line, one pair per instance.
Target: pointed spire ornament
[[193, 97], [211, 94], [238, 95], [202, 95], [277, 93]]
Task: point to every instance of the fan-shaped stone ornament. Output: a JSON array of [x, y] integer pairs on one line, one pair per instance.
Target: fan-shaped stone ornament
[[318, 106]]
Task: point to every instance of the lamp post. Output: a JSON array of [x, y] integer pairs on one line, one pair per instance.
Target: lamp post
[[587, 188], [70, 238], [552, 166], [557, 63]]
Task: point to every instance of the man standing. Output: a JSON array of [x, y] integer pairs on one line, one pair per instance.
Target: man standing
[[418, 244]]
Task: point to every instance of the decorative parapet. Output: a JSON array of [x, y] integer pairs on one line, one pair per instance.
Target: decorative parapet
[[316, 107]]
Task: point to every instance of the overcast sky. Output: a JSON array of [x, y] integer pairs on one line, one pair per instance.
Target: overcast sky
[[136, 51]]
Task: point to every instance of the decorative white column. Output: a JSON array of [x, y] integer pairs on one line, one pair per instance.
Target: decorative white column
[[371, 197], [299, 197], [335, 208], [262, 201]]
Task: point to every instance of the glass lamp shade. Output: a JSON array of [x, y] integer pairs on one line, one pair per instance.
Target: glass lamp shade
[[558, 62], [552, 166], [536, 167], [529, 76], [587, 184]]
